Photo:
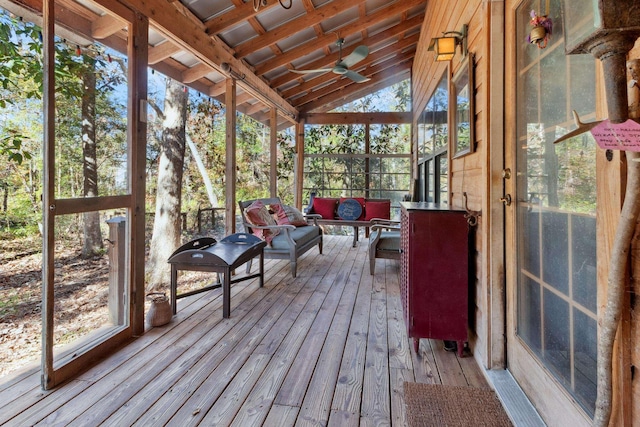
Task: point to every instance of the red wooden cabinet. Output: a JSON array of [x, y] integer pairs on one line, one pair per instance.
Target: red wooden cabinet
[[434, 272]]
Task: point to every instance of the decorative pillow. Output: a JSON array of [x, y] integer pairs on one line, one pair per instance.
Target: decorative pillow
[[288, 215], [326, 207], [258, 214], [359, 200], [377, 209]]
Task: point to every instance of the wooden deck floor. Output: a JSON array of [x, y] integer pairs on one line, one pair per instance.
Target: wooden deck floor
[[326, 348]]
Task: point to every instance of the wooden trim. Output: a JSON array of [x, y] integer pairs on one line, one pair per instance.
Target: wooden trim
[[299, 165], [357, 118], [48, 196], [138, 50], [230, 170], [493, 276], [273, 152], [91, 204]]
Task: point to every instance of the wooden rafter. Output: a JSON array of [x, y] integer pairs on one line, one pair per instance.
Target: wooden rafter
[[382, 37], [308, 20], [354, 27]]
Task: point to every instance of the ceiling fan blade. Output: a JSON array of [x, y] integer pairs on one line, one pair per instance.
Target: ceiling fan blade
[[358, 78], [356, 56], [321, 70]]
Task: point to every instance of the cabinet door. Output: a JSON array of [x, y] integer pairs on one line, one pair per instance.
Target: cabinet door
[[438, 289]]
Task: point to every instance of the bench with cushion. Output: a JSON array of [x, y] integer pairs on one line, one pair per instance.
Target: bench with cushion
[[284, 228], [338, 212]]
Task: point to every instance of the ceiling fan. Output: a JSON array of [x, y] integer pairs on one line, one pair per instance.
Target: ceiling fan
[[343, 64]]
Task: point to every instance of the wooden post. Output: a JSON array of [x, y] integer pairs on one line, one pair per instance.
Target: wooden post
[[117, 268], [230, 171], [299, 165], [273, 151]]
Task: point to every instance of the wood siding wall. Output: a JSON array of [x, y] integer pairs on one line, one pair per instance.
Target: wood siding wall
[[472, 173]]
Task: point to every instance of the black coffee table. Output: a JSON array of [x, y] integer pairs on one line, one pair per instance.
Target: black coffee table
[[207, 254]]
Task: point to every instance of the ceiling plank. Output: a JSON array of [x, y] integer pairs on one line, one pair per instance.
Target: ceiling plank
[[372, 42], [375, 57], [346, 30], [292, 27], [208, 49]]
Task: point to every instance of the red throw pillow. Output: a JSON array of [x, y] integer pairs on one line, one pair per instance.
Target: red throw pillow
[[325, 207], [258, 214], [377, 210], [288, 215], [359, 200]]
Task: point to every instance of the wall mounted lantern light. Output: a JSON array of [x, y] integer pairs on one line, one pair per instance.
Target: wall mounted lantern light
[[445, 46]]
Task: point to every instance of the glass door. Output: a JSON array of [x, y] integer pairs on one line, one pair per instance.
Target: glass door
[[552, 331], [89, 195]]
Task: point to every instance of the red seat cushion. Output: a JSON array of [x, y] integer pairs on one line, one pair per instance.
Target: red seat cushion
[[377, 209], [359, 200], [326, 207]]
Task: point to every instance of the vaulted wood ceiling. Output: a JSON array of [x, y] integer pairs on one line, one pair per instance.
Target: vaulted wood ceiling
[[201, 42]]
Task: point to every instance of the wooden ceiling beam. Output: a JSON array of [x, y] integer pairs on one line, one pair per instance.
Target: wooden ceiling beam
[[196, 72], [376, 56], [376, 17], [238, 14], [106, 26], [354, 91], [290, 28], [162, 51], [371, 42], [397, 63], [208, 49]]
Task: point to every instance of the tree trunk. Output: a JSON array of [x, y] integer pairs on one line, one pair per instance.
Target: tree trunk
[[92, 236], [166, 225]]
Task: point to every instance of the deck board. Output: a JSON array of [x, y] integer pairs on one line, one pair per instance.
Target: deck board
[[326, 348]]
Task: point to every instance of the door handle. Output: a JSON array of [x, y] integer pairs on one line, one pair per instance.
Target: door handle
[[506, 200]]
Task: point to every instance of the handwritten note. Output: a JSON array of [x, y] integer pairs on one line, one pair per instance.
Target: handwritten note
[[623, 136]]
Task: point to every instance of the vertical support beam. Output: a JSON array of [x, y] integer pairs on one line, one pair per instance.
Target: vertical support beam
[[299, 166], [48, 208], [138, 53], [493, 300], [367, 162], [273, 151], [230, 171]]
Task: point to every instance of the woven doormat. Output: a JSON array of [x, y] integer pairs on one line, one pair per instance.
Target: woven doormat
[[453, 406]]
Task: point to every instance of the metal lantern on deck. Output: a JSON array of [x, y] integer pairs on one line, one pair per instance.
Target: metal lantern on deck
[[607, 29]]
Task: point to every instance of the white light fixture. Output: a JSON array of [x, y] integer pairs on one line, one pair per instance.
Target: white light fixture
[[445, 46]]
